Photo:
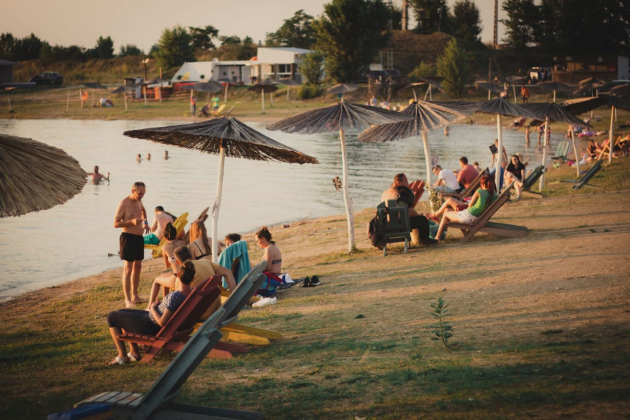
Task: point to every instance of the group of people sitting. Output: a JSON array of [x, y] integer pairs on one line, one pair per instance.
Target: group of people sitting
[[187, 265], [621, 148]]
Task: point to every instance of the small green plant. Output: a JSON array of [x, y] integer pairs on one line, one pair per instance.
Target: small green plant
[[442, 330], [308, 91]]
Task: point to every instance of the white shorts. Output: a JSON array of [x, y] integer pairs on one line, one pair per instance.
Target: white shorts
[[465, 217]]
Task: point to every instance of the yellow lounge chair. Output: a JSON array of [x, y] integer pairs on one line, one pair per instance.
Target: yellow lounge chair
[[219, 111], [179, 224]]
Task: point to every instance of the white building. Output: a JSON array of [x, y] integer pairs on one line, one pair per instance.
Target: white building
[[270, 63]]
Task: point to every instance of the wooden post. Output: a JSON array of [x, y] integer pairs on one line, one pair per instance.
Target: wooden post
[[514, 90], [288, 92], [554, 96], [541, 183], [68, 101], [81, 97], [125, 95], [227, 84], [611, 139], [92, 98], [271, 99], [144, 92], [577, 158], [497, 167], [415, 96], [9, 99], [262, 95], [430, 92], [427, 157], [490, 81], [191, 96], [217, 205], [346, 193]]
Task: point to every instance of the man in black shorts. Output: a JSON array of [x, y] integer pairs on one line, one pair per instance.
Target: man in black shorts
[[132, 218]]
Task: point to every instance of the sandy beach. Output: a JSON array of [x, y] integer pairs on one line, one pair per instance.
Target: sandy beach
[[541, 324]]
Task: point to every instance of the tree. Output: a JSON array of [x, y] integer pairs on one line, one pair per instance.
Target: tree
[[466, 23], [423, 70], [312, 67], [520, 26], [20, 49], [295, 32], [431, 15], [129, 50], [202, 37], [350, 33], [7, 46], [452, 65], [104, 47], [175, 47], [230, 40]]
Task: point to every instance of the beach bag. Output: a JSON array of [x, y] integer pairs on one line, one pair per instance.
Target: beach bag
[[269, 286], [375, 233]]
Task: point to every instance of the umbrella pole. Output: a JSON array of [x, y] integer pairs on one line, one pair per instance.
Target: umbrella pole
[[68, 101], [217, 205], [262, 95], [144, 92], [92, 98], [271, 99], [430, 93], [9, 99], [577, 158], [125, 95], [415, 97], [541, 184], [288, 92], [346, 193], [554, 96], [227, 84], [497, 167], [427, 157], [610, 139], [514, 90], [191, 96]]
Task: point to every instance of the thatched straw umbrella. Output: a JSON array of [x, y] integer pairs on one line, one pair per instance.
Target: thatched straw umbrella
[[500, 107], [262, 88], [339, 117], [225, 137], [426, 116], [288, 83], [555, 112], [554, 87], [35, 176]]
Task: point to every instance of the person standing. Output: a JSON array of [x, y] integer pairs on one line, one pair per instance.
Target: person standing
[[215, 103], [193, 105], [97, 176], [132, 218], [524, 94]]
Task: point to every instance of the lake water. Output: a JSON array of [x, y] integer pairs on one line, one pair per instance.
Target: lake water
[[72, 240]]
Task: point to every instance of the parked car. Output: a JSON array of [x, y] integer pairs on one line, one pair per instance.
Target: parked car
[[48, 78]]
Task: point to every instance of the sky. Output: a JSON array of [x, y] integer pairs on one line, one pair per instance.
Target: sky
[[140, 22]]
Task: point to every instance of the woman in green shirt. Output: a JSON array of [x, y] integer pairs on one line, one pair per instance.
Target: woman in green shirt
[[479, 202]]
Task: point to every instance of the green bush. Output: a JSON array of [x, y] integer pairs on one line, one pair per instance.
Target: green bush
[[308, 92]]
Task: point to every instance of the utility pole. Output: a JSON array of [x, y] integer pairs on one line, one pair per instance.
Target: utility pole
[[496, 24]]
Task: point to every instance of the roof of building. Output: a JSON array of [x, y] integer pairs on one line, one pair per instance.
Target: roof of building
[[7, 63]]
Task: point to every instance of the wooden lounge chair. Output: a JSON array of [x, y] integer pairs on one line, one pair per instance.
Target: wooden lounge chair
[[157, 403], [561, 151], [468, 192], [393, 216], [587, 176], [175, 333], [606, 150], [483, 224], [228, 113], [179, 224], [530, 181]]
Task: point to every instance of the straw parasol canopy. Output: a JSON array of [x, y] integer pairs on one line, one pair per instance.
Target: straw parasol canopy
[[426, 116], [35, 176], [339, 117], [262, 88], [554, 112], [501, 107], [225, 137], [210, 86], [342, 88], [288, 83]]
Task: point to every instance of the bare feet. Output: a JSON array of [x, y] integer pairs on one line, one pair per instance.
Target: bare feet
[[137, 300], [129, 304]]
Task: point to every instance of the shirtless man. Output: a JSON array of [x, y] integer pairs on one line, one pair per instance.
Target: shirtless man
[[96, 176], [132, 218], [160, 220]]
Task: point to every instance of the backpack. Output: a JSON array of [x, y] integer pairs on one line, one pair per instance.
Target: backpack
[[406, 195], [375, 233]]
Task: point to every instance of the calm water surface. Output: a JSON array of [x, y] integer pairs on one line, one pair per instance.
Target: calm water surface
[[72, 240]]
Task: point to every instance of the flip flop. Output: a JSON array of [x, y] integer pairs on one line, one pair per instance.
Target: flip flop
[[117, 361], [307, 282], [132, 357], [315, 281]]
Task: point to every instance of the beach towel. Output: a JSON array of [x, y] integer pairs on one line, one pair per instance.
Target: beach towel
[[229, 254]]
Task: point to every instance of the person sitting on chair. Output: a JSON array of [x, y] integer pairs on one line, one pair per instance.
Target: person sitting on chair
[[400, 191], [205, 110], [167, 278], [479, 202], [515, 172], [447, 181], [148, 322]]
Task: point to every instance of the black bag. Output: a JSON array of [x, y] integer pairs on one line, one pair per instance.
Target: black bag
[[406, 195], [375, 233]]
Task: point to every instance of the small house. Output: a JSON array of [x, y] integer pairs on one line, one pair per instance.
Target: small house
[[6, 71], [277, 63]]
